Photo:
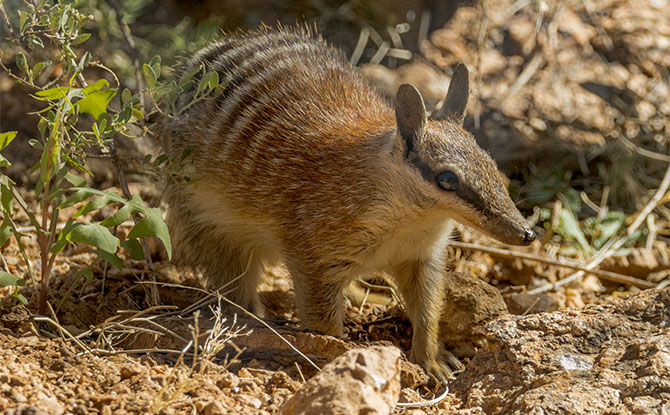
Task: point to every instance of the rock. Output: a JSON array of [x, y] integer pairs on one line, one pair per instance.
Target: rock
[[524, 303], [50, 403], [361, 381], [248, 400], [470, 303], [600, 360], [228, 380], [128, 371]]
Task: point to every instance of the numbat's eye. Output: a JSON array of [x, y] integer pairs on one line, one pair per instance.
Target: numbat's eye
[[447, 181]]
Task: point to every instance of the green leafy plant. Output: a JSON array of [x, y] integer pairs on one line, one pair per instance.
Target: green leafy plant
[[76, 116], [590, 234], [82, 110]]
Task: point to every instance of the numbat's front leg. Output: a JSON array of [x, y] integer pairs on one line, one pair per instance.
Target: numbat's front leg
[[421, 285]]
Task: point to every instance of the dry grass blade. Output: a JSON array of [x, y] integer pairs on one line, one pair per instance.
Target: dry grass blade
[[360, 46], [525, 75], [63, 331]]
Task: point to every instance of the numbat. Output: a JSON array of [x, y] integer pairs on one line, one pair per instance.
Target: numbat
[[300, 161]]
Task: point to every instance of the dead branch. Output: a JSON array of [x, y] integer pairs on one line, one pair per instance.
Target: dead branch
[[605, 275]]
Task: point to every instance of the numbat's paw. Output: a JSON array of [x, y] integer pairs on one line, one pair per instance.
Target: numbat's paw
[[442, 368], [452, 361], [437, 370]]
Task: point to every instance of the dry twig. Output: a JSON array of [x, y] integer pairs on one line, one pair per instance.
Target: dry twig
[[605, 275]]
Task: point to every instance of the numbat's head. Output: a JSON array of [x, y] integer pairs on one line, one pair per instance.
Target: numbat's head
[[452, 171]]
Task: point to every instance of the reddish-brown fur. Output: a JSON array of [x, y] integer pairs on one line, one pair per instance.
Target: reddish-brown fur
[[301, 162]]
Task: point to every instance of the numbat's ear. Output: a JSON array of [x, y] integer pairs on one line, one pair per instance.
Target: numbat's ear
[[456, 101], [410, 114]]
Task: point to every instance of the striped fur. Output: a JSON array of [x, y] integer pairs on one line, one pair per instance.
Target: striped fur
[[299, 162]]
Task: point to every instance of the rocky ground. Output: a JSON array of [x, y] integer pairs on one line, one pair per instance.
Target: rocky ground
[[565, 95]]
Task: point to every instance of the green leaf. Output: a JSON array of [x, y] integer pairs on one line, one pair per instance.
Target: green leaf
[[50, 157], [571, 200], [133, 247], [137, 115], [150, 75], [6, 138], [96, 235], [23, 19], [52, 94], [75, 180], [21, 62], [86, 272], [156, 64], [608, 227], [6, 198], [38, 68], [160, 160], [203, 83], [78, 196], [188, 150], [95, 103], [42, 127], [7, 279], [16, 294], [98, 86], [189, 76], [152, 225], [545, 187], [126, 98], [118, 218], [213, 80], [94, 204], [568, 227], [110, 257], [81, 39], [63, 237], [5, 232]]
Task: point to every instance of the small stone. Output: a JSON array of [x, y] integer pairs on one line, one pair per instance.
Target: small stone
[[469, 303], [17, 381], [228, 380], [249, 400], [19, 397], [51, 403], [282, 380], [120, 388], [525, 303], [214, 408], [58, 365], [128, 371]]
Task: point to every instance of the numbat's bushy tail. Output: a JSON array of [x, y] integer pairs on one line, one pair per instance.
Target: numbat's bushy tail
[[300, 161]]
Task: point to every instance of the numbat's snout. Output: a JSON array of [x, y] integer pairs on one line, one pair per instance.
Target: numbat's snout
[[299, 161]]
